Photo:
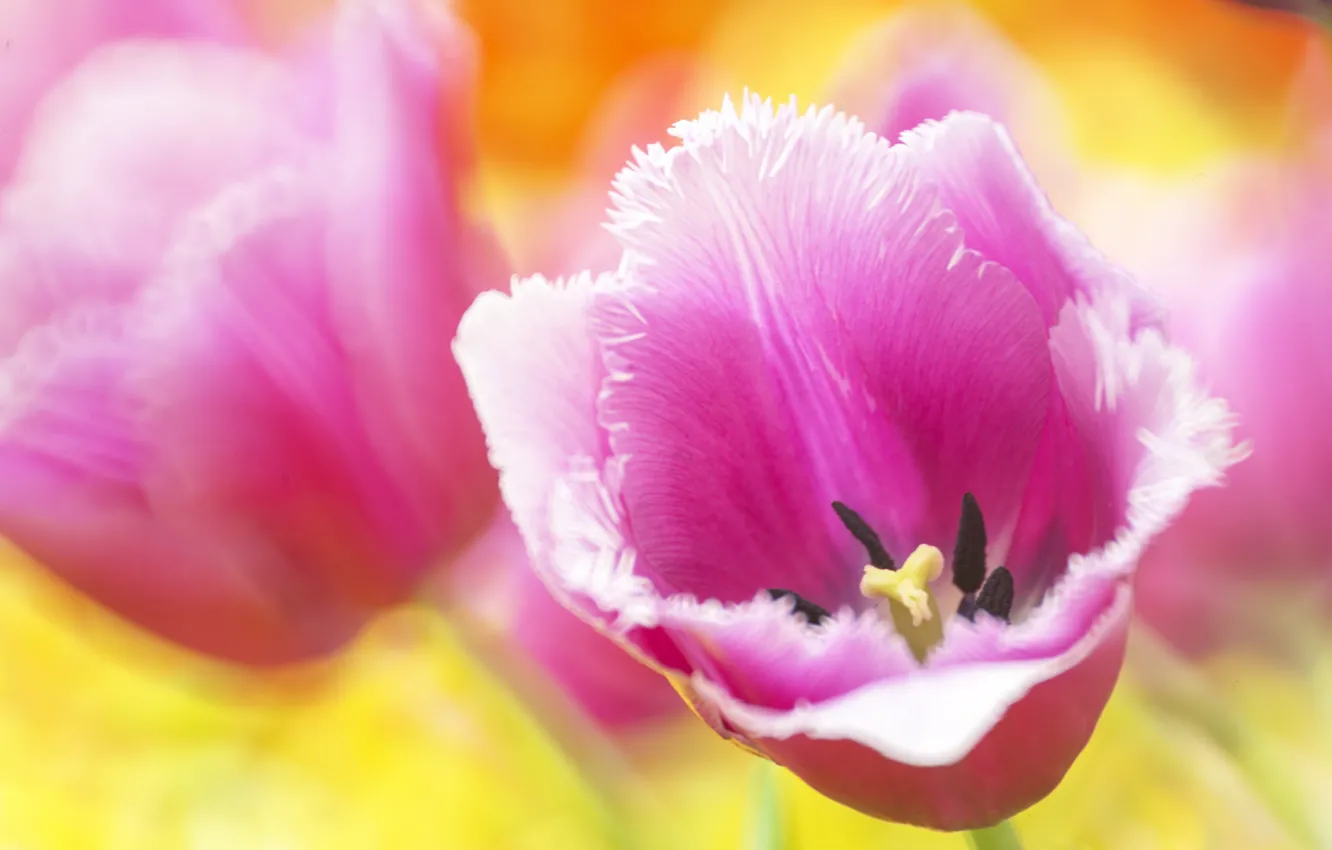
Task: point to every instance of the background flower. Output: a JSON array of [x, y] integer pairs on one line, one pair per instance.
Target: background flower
[[230, 413]]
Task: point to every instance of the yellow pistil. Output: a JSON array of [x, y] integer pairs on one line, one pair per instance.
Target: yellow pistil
[[914, 612]]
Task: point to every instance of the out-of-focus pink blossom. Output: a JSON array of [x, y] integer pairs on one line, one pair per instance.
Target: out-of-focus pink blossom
[[926, 61], [495, 580], [229, 283], [1238, 254], [807, 314]]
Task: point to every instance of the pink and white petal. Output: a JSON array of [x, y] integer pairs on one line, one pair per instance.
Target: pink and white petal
[[1006, 217], [246, 400], [139, 135], [402, 256], [762, 653], [533, 369], [805, 327], [43, 41], [958, 748]]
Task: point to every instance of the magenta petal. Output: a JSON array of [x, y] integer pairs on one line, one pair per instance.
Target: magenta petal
[[1006, 217], [402, 258], [248, 399], [72, 457], [206, 197], [817, 356]]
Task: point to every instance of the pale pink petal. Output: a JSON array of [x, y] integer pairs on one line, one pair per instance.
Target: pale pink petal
[[534, 370], [138, 136], [42, 41]]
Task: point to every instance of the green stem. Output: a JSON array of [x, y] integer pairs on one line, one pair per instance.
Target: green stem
[[1001, 836], [767, 827]]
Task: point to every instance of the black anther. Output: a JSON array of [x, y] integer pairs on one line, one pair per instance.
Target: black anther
[[996, 597], [815, 614], [878, 555], [969, 552]]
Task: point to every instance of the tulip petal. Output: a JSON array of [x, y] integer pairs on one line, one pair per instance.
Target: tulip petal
[[401, 256], [43, 41], [72, 457], [248, 400], [534, 370], [1005, 216], [139, 135], [818, 356]]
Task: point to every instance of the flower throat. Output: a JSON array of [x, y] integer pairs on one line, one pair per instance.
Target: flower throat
[[905, 590]]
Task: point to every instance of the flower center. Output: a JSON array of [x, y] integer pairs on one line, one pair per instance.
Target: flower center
[[906, 591]]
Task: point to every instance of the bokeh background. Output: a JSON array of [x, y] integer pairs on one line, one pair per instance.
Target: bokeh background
[[431, 731]]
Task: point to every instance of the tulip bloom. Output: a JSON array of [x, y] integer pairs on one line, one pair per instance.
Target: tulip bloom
[[823, 350], [228, 283]]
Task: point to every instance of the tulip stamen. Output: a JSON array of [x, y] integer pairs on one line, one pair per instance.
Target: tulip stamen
[[812, 612], [906, 590], [969, 552], [996, 597], [911, 605], [868, 537], [909, 586]]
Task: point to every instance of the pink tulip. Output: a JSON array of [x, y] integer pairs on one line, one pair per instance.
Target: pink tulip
[[807, 314], [1238, 254], [229, 284], [496, 582]]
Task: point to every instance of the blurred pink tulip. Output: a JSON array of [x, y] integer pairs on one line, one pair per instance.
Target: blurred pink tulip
[[496, 581], [229, 285], [806, 315], [926, 61], [1239, 257]]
